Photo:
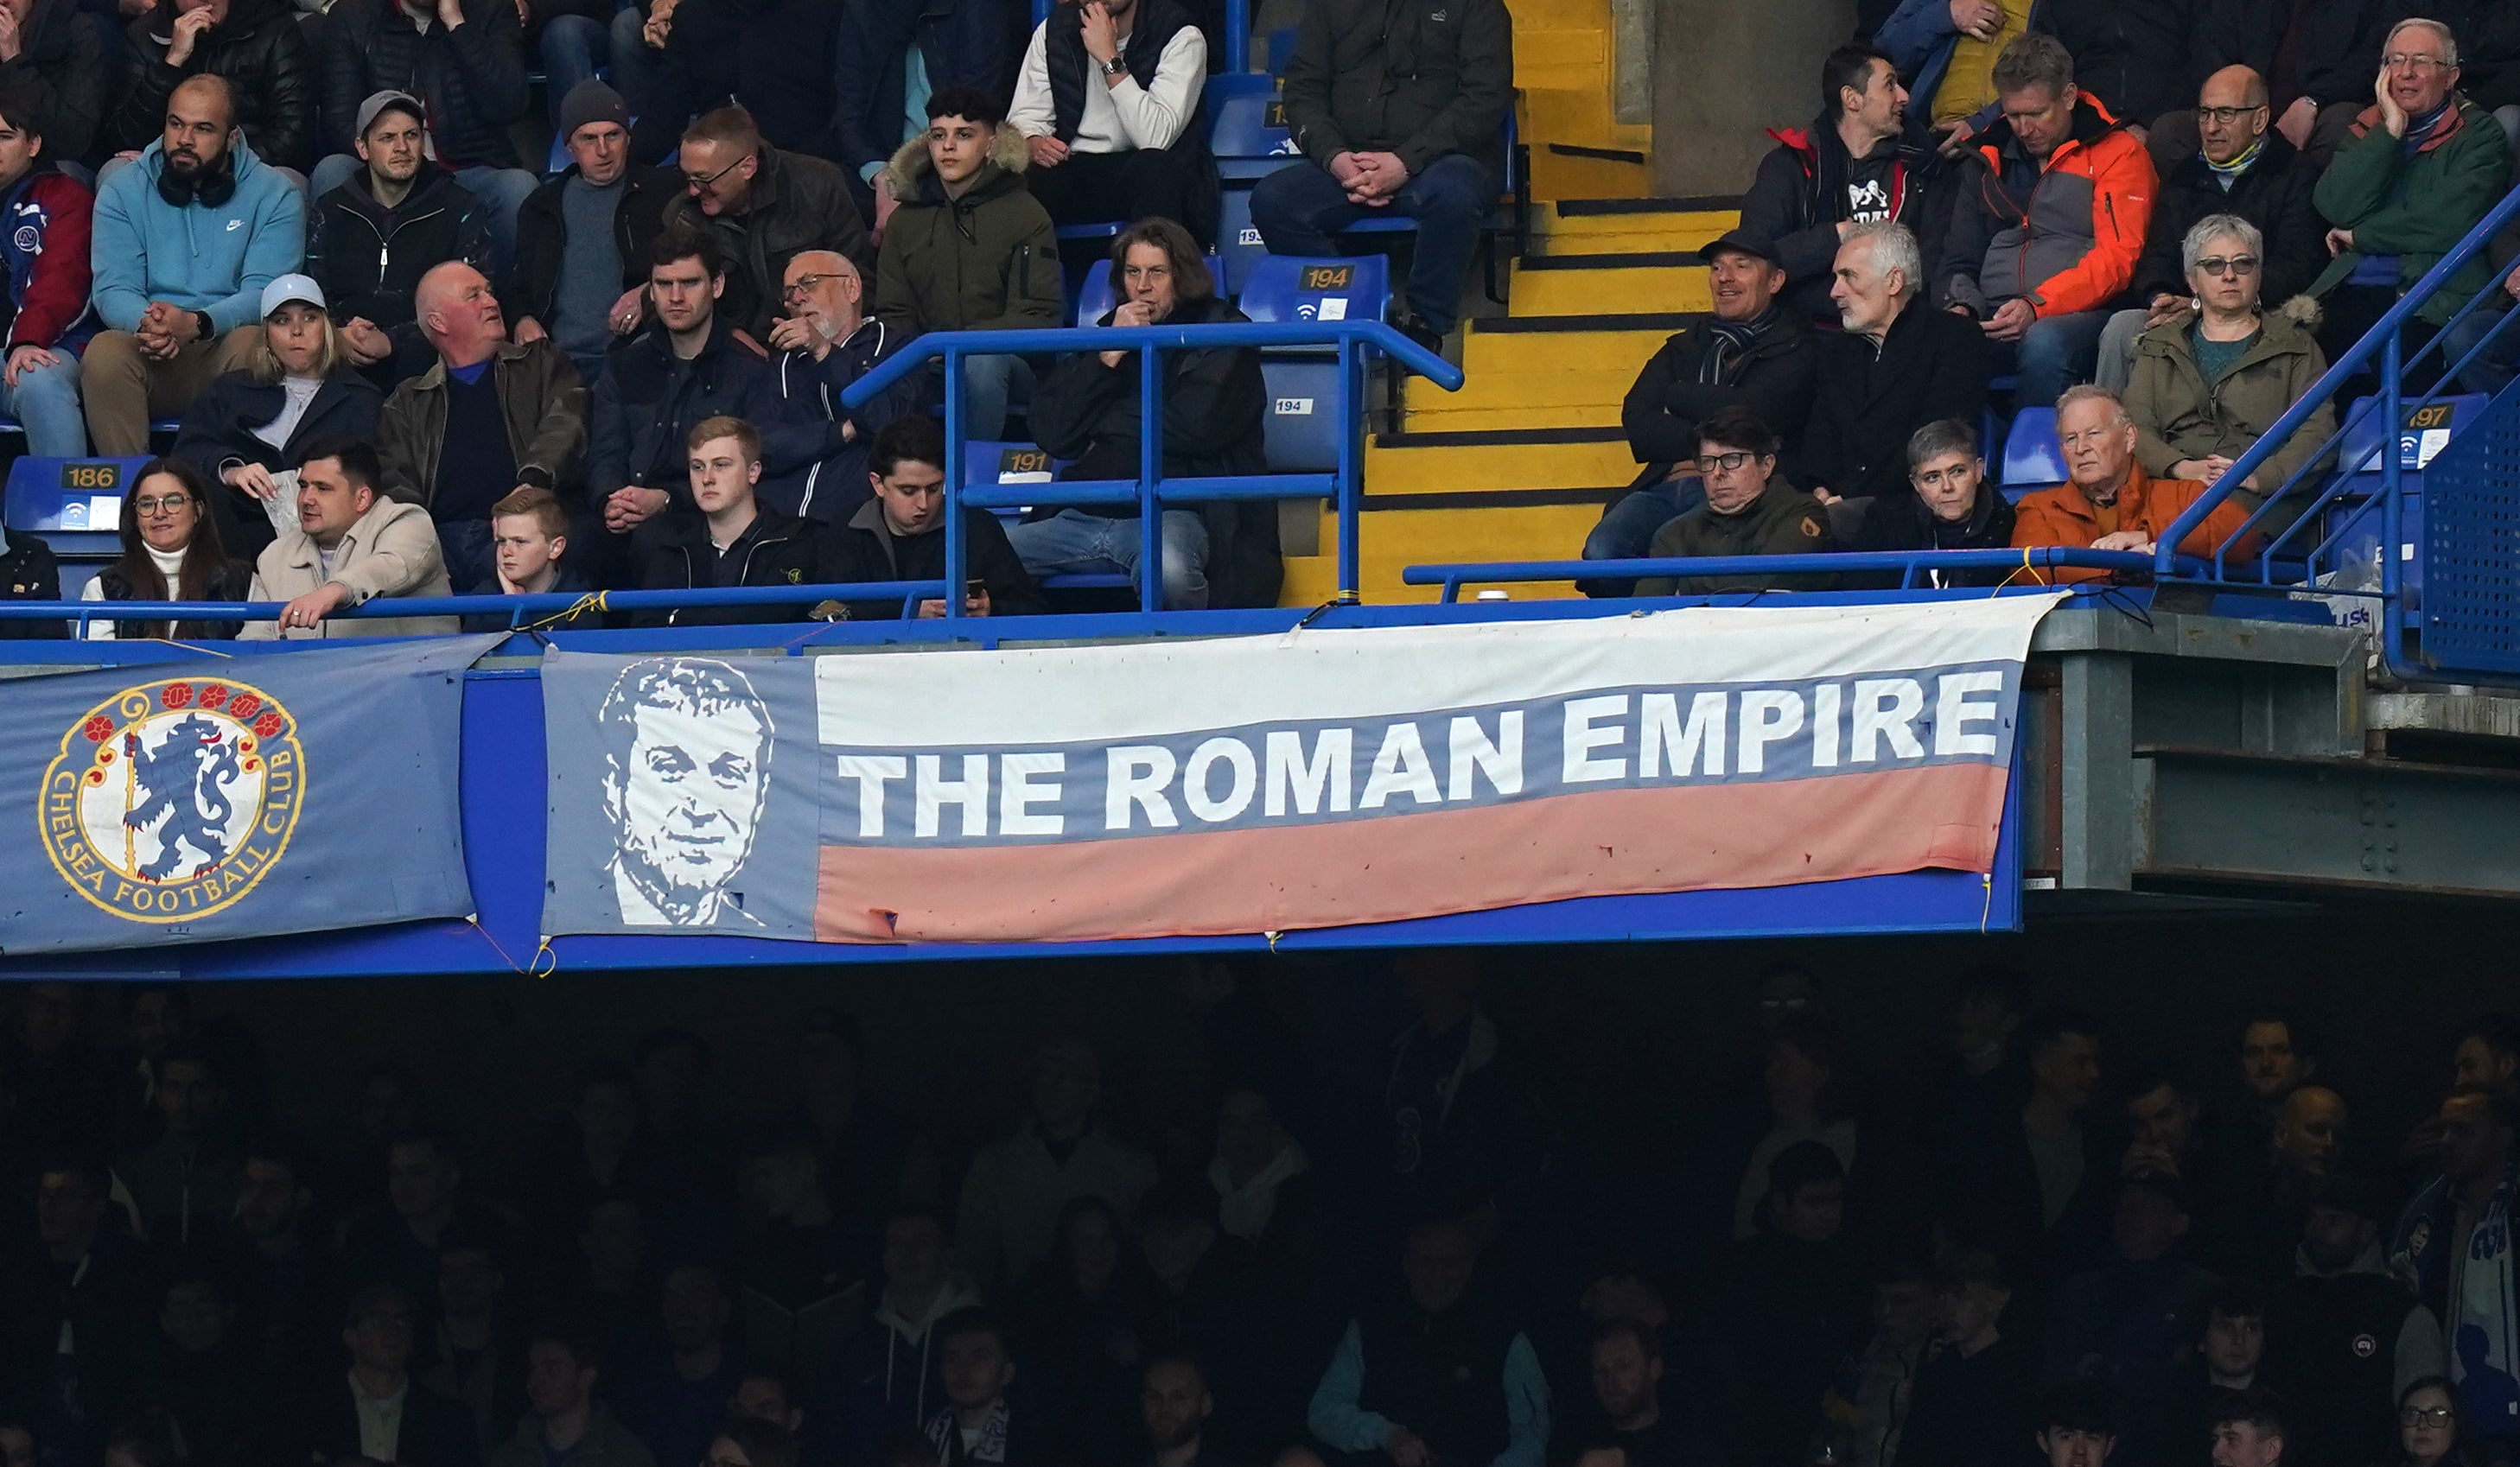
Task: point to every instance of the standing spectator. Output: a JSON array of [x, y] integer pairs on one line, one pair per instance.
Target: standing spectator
[[2453, 1243], [1174, 1405], [1877, 1388], [1753, 353], [384, 229], [2033, 1163], [1078, 1313], [1804, 1083], [467, 58], [582, 239], [2248, 1431], [352, 546], [53, 47], [255, 44], [2054, 201], [426, 1201], [1017, 1186], [2277, 1057], [2261, 1229], [1897, 367], [185, 240], [968, 248], [1267, 1191], [569, 1426], [2130, 1325], [2424, 165], [1953, 506], [171, 551], [672, 1399], [888, 1377], [2231, 1350], [775, 60], [2076, 1427], [2104, 485], [1397, 113], [572, 39], [386, 1415], [2343, 1338], [477, 1356], [48, 217], [826, 342], [1435, 1372], [1750, 510], [2315, 57], [1789, 1308], [1852, 166], [875, 1158], [210, 1382], [725, 538], [1108, 100], [889, 53], [249, 425], [2432, 1431], [82, 1308], [691, 365], [2209, 382], [898, 534], [977, 1427], [184, 1185], [1215, 409], [492, 415], [804, 1290], [764, 205], [1460, 1117], [2488, 1052], [282, 1275]]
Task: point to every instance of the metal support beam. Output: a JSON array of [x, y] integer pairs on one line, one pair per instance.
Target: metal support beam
[[2216, 816], [2095, 777]]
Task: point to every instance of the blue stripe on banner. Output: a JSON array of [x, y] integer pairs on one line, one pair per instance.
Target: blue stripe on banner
[[1302, 772]]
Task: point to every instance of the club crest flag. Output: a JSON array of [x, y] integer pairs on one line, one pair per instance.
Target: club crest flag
[[1255, 784], [230, 797]]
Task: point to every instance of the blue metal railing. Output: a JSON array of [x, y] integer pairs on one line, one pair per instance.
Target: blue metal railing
[[1910, 564], [2382, 349], [522, 611], [1150, 492]]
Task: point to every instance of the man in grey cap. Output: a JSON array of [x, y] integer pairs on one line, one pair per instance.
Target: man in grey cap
[[374, 237], [582, 239]]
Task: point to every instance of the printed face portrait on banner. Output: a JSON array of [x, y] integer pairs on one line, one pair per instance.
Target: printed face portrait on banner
[[687, 749]]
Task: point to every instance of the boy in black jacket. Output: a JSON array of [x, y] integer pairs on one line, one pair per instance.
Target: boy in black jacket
[[732, 540]]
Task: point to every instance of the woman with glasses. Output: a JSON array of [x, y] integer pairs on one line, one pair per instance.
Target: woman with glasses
[[2213, 378], [2432, 1432], [170, 553], [245, 427]]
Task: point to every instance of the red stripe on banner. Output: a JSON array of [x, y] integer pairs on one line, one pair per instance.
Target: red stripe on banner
[[1287, 878]]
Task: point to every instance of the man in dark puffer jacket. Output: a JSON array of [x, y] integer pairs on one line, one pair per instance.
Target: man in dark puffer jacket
[[376, 235], [255, 44]]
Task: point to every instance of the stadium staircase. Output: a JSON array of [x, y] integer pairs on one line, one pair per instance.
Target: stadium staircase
[[1519, 461]]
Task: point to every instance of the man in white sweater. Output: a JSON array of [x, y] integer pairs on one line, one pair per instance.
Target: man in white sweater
[[352, 546], [1013, 1197], [1108, 100]]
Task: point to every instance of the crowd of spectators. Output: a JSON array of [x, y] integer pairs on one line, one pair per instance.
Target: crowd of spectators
[[2034, 1250]]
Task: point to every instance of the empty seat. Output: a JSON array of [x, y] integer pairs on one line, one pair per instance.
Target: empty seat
[[2033, 459], [1238, 242], [74, 504], [1286, 288], [1248, 126], [1306, 415], [1095, 296]]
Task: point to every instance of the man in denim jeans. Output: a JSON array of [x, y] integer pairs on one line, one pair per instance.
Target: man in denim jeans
[[45, 216]]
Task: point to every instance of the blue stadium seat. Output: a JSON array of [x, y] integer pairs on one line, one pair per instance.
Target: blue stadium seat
[[1305, 420], [2427, 430], [1247, 127], [167, 427], [1105, 230], [1286, 288], [2032, 457], [1282, 49], [1095, 296], [1238, 242], [987, 464], [74, 504]]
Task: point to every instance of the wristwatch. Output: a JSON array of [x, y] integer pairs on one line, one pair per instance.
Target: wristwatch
[[202, 323], [1113, 67]]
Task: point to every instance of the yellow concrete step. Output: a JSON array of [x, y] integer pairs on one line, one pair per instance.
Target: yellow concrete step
[[1441, 415], [1392, 540], [1656, 282], [1530, 15], [1655, 236], [1571, 347], [1551, 221], [1536, 388], [1410, 465]]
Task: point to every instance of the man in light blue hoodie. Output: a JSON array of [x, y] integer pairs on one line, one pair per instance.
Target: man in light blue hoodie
[[185, 240]]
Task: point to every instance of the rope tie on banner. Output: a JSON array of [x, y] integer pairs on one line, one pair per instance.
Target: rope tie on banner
[[533, 968], [592, 600]]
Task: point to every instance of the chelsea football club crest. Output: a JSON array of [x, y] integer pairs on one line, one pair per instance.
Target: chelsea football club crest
[[171, 800]]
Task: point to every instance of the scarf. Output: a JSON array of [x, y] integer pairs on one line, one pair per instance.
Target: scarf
[[1731, 339], [2229, 173], [945, 1434], [2483, 1330], [2419, 130]]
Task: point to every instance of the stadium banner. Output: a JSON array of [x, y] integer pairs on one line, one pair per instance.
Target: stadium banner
[[239, 796], [1266, 784]]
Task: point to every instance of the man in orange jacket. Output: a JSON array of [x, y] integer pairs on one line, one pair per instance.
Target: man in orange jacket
[[2049, 222], [2107, 501]]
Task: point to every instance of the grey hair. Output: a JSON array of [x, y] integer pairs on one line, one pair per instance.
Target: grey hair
[[2092, 393], [2450, 42], [1949, 435], [2216, 227], [1894, 247]]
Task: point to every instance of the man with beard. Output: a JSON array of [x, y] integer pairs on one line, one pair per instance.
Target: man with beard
[[1174, 1405], [186, 239]]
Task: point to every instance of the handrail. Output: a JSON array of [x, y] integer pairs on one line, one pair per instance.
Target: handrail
[[1151, 491], [517, 608], [1452, 577]]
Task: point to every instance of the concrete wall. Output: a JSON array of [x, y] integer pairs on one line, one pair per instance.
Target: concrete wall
[[1725, 70]]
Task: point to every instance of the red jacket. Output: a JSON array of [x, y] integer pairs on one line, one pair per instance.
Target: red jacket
[[2071, 243], [44, 227]]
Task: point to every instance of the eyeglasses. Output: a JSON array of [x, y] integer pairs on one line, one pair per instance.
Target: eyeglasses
[[163, 503], [2226, 116], [2424, 1416], [2400, 61], [803, 286], [2238, 264], [701, 185], [1728, 463]]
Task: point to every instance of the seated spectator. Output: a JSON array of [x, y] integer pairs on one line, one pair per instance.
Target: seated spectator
[[1395, 121], [51, 217], [2259, 1233], [1266, 1193], [2316, 58], [2166, 1133], [2423, 167], [170, 553], [467, 60], [1875, 1388], [1749, 511], [1897, 367], [2244, 171], [68, 60], [248, 425], [726, 538], [491, 417], [763, 205], [1953, 507], [888, 1378], [213, 1386], [569, 1426], [1018, 1185], [1753, 354], [582, 239], [354, 545], [826, 342], [2076, 1426], [1174, 1405], [1115, 130], [775, 60], [2248, 1431], [1972, 1405], [255, 44], [1216, 409], [2488, 1052], [751, 1441], [1854, 165], [946, 43], [968, 248], [803, 1285], [183, 1186], [1077, 1312], [2229, 1348], [529, 536], [2432, 1431], [185, 240], [2210, 380], [2479, 1129], [1627, 1381], [977, 1424], [898, 534], [1434, 1372], [2032, 1171], [281, 1275], [1788, 1303], [385, 1415], [477, 1350], [2035, 266], [381, 231], [692, 364], [2132, 1324], [673, 1398], [2108, 501]]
